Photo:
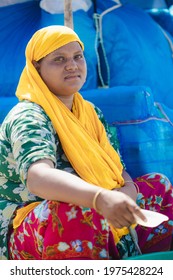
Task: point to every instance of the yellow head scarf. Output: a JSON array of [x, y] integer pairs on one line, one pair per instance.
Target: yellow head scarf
[[81, 133]]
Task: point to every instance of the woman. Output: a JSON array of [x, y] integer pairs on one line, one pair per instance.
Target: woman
[[64, 191]]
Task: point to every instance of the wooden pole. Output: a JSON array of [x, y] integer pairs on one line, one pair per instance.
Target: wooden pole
[[68, 14]]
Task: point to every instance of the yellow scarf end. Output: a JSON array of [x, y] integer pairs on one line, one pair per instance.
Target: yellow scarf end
[[22, 213]]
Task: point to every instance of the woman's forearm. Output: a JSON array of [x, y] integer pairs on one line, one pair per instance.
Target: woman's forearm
[[49, 183], [53, 184]]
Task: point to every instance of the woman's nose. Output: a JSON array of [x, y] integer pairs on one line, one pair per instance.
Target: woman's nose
[[71, 64]]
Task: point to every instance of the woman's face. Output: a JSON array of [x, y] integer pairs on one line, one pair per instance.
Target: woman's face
[[64, 70]]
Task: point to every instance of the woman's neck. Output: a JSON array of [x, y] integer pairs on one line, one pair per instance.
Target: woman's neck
[[67, 100]]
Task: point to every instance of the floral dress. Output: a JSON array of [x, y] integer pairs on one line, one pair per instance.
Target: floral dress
[[26, 136]]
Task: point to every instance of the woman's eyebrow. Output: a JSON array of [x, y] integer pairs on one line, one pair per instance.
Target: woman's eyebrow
[[65, 53]]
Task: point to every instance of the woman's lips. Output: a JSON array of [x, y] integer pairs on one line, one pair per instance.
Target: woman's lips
[[72, 77]]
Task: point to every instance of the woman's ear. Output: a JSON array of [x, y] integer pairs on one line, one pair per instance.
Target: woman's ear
[[36, 65]]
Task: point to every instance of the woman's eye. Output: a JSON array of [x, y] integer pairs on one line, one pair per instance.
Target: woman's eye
[[59, 59], [78, 56]]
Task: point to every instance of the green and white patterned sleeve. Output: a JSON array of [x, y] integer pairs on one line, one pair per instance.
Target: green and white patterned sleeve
[[32, 137]]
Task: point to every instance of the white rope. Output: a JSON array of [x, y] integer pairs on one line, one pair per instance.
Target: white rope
[[163, 112], [168, 39], [103, 14], [99, 38]]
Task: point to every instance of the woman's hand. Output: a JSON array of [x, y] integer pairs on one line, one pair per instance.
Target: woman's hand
[[118, 208]]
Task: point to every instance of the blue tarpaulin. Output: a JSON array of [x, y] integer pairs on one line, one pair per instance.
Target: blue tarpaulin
[[140, 66]]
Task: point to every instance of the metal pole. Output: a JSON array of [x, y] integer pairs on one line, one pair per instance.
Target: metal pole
[[68, 14]]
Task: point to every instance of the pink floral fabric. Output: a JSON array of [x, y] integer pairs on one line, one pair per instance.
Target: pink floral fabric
[[56, 230]]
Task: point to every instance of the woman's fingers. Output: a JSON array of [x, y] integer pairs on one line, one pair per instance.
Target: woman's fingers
[[127, 216], [124, 218], [137, 213]]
